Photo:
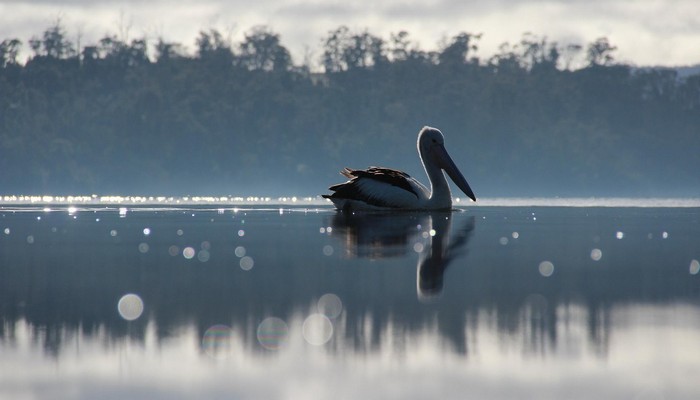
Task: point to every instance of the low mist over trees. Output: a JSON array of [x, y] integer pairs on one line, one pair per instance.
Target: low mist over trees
[[149, 117]]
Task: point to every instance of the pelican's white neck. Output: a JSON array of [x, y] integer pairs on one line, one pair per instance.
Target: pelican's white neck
[[440, 195]]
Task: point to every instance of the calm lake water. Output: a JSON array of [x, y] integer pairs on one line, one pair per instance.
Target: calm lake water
[[305, 303]]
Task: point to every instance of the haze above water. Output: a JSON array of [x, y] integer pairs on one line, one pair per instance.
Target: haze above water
[[246, 298]]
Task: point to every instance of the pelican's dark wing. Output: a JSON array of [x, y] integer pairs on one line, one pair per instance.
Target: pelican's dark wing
[[379, 187]]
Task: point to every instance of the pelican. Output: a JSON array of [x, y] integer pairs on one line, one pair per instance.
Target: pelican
[[377, 188]]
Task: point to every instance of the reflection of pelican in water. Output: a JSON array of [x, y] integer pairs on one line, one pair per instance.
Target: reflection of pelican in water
[[384, 235], [443, 247]]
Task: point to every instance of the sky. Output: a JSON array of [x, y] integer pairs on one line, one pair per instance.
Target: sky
[[646, 32]]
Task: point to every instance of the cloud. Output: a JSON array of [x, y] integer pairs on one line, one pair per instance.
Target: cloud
[[646, 31]]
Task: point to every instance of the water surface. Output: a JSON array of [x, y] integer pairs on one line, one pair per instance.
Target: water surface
[[288, 301]]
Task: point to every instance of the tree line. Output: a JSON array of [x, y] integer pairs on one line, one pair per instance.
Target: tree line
[[147, 117]]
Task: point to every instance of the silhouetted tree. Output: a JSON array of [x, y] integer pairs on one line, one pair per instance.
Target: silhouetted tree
[[261, 51], [600, 52], [9, 49]]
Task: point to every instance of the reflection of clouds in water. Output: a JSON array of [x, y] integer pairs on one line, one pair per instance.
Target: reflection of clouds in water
[[130, 307], [500, 368]]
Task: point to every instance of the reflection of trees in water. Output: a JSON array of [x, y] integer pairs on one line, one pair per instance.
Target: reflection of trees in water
[[69, 283]]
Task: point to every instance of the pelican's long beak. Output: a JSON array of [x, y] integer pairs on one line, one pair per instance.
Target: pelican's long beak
[[445, 162]]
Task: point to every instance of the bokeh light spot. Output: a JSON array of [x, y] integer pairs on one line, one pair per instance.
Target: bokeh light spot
[[328, 250], [146, 231], [503, 240], [203, 255], [596, 254], [173, 250], [241, 232], [143, 247], [546, 269], [247, 263], [180, 232], [188, 252], [240, 251], [694, 267], [130, 307], [216, 341], [317, 329], [330, 305], [273, 333], [30, 239], [418, 247], [515, 235], [619, 235], [113, 233]]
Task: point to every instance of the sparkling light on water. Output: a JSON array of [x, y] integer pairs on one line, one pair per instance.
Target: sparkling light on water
[[7, 231], [317, 329], [216, 341], [596, 254], [273, 333], [546, 268], [694, 267], [146, 231], [664, 235], [619, 235], [330, 305], [130, 307]]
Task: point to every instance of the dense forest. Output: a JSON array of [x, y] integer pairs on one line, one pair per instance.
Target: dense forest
[[148, 117]]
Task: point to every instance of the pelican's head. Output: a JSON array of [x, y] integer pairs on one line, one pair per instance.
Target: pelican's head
[[431, 146]]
